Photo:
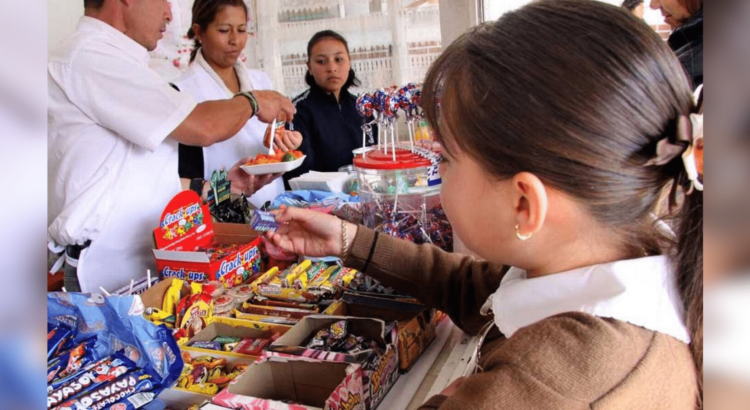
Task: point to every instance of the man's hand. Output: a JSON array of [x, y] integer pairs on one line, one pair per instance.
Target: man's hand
[[271, 104]]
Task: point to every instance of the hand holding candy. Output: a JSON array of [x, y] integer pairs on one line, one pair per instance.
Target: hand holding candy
[[310, 233]]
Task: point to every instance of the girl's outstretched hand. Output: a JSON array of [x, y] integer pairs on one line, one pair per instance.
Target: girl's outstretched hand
[[310, 233]]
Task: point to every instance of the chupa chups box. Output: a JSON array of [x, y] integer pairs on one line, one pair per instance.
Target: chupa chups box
[[295, 383], [416, 323], [379, 371], [220, 326], [184, 239]]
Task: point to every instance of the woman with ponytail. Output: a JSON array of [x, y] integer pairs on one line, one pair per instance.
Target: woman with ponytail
[[327, 113], [219, 31], [558, 151]]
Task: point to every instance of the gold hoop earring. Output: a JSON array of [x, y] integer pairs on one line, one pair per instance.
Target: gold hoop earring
[[521, 236]]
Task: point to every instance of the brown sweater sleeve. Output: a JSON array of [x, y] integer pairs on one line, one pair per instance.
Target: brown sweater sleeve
[[456, 284]]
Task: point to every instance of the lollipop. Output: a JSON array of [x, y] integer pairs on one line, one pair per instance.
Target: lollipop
[[365, 105], [416, 97]]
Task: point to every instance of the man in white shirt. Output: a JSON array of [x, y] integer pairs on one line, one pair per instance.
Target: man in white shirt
[[113, 132]]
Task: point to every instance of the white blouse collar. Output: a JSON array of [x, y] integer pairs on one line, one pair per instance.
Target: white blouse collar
[[640, 291], [239, 68]]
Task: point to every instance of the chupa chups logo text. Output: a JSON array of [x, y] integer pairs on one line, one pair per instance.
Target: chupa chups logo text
[[384, 367], [181, 213], [193, 276], [231, 266]]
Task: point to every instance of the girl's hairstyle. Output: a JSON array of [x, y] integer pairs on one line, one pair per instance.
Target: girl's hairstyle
[[584, 113], [204, 13], [352, 80]]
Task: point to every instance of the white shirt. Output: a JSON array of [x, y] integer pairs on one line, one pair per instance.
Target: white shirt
[[640, 291], [203, 83], [111, 168]]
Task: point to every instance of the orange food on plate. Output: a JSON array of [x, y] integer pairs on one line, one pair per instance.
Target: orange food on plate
[[263, 159]]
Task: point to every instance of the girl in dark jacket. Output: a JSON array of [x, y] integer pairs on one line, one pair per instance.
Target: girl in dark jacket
[[686, 19]]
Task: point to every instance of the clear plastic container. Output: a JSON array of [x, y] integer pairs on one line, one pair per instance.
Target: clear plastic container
[[397, 198]]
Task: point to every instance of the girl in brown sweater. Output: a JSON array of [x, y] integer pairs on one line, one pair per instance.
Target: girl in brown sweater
[[564, 126]]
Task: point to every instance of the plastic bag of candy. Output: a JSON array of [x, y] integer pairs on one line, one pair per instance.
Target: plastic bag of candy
[[106, 329]]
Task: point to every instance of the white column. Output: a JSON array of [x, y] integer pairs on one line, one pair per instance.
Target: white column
[[267, 44], [456, 17], [400, 49]]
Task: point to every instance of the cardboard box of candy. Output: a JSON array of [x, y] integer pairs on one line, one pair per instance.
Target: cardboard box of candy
[[226, 337], [295, 383], [416, 323], [368, 342], [190, 246]]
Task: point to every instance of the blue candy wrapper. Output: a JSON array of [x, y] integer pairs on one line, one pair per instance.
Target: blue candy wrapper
[[263, 222], [113, 392], [119, 326], [59, 338], [72, 361], [92, 377]]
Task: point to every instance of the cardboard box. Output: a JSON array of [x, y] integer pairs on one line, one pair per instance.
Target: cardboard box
[[379, 371], [313, 384], [416, 323], [219, 326], [181, 398], [185, 227]]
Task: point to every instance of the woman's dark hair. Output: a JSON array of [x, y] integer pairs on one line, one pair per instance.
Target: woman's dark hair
[[584, 113], [631, 5], [692, 6], [204, 13], [352, 80]]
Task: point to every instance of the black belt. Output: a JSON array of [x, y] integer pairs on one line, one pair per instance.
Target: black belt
[[74, 251]]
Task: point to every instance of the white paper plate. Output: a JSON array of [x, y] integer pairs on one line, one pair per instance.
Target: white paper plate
[[277, 168]]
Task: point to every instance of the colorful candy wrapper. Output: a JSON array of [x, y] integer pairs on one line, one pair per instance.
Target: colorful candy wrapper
[[263, 222], [344, 278], [323, 277], [229, 347], [317, 343], [340, 330], [207, 345], [252, 347], [227, 339], [58, 339], [133, 402], [113, 392], [93, 376], [72, 361], [301, 282]]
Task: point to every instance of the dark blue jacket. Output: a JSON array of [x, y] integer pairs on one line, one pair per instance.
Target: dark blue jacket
[[331, 130], [687, 43]]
